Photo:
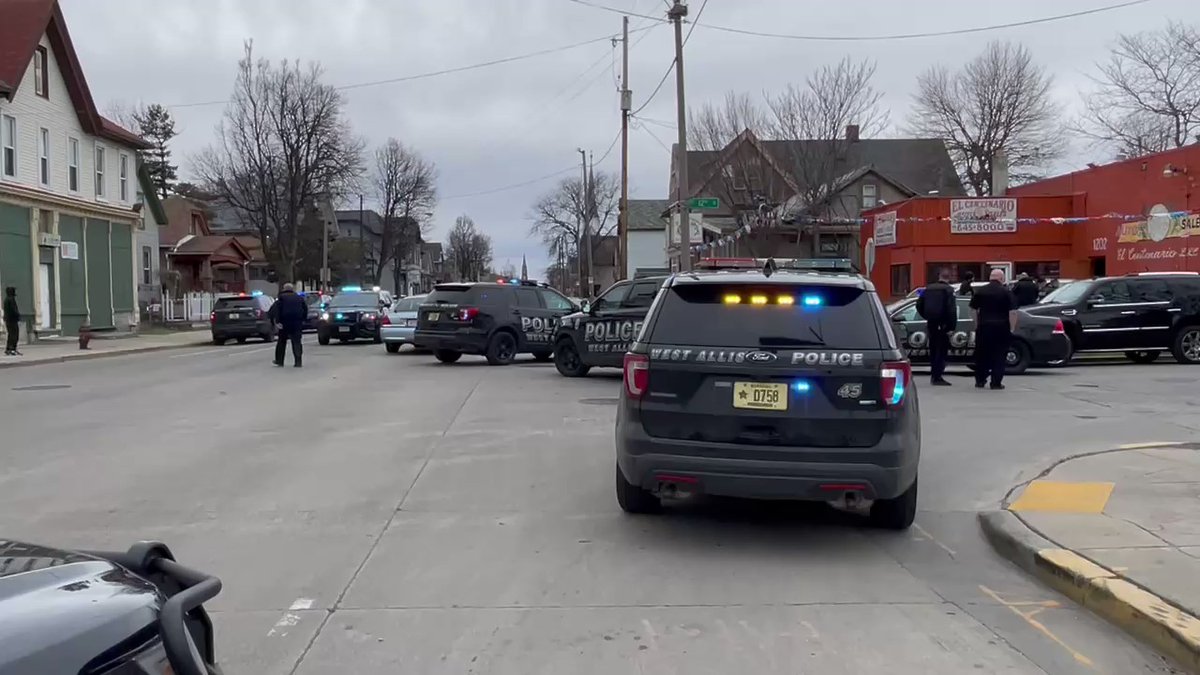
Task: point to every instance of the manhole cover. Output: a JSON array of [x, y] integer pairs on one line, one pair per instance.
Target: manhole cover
[[599, 401], [42, 387]]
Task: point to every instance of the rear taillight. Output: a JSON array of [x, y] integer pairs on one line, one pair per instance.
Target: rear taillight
[[637, 375], [384, 320], [212, 317], [1059, 328], [896, 378], [468, 313]]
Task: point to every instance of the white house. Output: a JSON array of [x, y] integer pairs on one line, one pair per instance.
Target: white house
[[69, 182]]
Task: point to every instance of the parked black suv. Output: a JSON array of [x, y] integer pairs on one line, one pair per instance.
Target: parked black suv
[[600, 333], [769, 384], [1141, 315], [352, 315], [112, 613], [496, 319], [239, 317]]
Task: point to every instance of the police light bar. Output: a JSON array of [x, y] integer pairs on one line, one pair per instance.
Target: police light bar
[[351, 289], [810, 264]]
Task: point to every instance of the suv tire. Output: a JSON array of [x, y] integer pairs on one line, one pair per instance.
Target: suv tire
[[1143, 356], [897, 513], [392, 347], [446, 355], [1186, 345], [501, 349], [633, 499], [322, 339], [568, 361], [220, 342]]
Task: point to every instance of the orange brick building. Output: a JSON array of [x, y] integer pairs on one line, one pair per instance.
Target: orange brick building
[[1136, 215]]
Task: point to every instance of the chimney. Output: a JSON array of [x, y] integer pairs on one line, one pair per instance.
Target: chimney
[[999, 174], [852, 133]]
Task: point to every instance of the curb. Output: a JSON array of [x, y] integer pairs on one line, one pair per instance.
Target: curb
[[88, 355], [1158, 623]]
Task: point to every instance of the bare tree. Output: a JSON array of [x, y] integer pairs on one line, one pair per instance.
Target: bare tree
[[1147, 95], [559, 214], [468, 249], [743, 179], [405, 184], [998, 103], [282, 145]]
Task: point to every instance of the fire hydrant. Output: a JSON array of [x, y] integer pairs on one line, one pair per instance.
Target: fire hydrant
[[85, 335]]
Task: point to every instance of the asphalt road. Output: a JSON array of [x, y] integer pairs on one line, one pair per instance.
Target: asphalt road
[[373, 513]]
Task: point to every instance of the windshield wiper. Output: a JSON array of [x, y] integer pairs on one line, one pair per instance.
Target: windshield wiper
[[773, 341]]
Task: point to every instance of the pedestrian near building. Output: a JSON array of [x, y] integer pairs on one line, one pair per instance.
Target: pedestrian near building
[[288, 314], [965, 288], [12, 321], [994, 309], [1026, 291], [940, 311]]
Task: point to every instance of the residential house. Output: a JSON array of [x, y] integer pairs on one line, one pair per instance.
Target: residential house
[[154, 217], [199, 260], [647, 237], [605, 263], [366, 226], [804, 198], [68, 182]]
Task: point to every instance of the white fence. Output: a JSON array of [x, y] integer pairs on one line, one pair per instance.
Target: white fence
[[191, 307]]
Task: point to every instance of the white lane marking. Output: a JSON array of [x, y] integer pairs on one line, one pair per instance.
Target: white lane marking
[[949, 551], [302, 603], [286, 621], [227, 351]]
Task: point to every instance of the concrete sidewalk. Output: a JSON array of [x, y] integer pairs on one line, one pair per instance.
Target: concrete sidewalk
[[67, 349], [1119, 532]]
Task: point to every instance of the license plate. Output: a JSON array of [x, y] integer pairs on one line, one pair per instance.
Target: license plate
[[235, 316], [760, 395], [433, 316], [343, 329]]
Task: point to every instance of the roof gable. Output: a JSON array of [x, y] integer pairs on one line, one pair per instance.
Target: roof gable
[[25, 21]]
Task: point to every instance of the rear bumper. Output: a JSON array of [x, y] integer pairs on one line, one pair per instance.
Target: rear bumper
[[884, 471], [239, 330], [401, 334], [355, 332], [465, 340], [1057, 348]]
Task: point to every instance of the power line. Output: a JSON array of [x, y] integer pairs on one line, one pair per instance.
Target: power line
[[436, 73], [653, 135], [531, 181], [658, 87], [622, 12], [895, 36]]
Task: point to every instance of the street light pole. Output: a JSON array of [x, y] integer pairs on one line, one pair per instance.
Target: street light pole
[[676, 14], [583, 221], [626, 105]]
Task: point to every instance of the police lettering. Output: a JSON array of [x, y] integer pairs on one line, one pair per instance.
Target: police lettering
[[537, 324], [611, 331], [827, 358]]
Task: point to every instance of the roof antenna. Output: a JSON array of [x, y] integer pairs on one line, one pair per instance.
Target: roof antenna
[[769, 268]]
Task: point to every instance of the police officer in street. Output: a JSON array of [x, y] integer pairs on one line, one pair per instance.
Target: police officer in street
[[939, 309], [288, 314], [994, 309], [1026, 291]]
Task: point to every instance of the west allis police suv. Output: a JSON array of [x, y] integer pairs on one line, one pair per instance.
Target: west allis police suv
[[600, 334]]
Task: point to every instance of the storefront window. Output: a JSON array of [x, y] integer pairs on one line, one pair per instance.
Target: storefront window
[[901, 280], [1037, 270], [956, 270]]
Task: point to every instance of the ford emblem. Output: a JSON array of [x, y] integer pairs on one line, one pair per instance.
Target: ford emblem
[[760, 357]]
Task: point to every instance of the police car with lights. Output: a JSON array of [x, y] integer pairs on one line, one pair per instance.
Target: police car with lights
[[498, 320], [238, 316], [779, 382], [600, 333], [354, 313]]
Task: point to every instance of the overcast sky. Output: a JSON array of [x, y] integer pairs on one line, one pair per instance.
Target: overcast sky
[[506, 124]]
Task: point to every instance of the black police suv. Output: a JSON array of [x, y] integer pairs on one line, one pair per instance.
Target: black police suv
[[599, 334], [498, 319], [1141, 315], [103, 613], [774, 385], [240, 317], [1038, 340], [354, 315]]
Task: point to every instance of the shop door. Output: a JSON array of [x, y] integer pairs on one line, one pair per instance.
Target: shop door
[[998, 265], [44, 291]]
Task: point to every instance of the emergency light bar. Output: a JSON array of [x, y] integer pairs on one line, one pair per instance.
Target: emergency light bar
[[806, 264]]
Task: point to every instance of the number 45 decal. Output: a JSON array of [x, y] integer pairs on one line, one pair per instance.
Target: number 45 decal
[[851, 390]]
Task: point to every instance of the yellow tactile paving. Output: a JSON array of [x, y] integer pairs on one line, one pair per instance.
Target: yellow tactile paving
[[1062, 497]]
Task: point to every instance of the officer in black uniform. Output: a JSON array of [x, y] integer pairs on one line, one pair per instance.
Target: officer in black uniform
[[994, 309], [288, 314], [940, 311]]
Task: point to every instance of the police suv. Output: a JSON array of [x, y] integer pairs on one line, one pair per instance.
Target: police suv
[[600, 334], [769, 383], [498, 320]]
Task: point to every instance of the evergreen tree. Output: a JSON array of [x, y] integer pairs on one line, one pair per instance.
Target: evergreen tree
[[158, 127]]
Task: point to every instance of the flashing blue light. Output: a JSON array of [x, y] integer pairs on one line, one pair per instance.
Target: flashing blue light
[[351, 289], [801, 386], [897, 393], [813, 301], [256, 293], [339, 315], [514, 281]]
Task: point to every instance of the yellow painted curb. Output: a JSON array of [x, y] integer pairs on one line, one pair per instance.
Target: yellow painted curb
[[1056, 496], [1164, 626]]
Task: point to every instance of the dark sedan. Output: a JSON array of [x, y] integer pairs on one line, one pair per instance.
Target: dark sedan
[[1038, 341]]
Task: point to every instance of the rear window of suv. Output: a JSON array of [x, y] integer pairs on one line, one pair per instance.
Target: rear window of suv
[[236, 303], [470, 295], [767, 315]]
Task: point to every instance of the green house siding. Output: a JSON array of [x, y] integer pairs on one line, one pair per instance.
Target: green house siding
[[124, 294], [99, 270], [71, 277], [16, 255]]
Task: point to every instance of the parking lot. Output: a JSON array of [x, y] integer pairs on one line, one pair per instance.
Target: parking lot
[[386, 513]]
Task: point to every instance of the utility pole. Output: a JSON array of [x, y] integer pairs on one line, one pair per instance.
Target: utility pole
[[362, 253], [676, 14], [626, 106], [591, 207], [583, 222], [324, 244]]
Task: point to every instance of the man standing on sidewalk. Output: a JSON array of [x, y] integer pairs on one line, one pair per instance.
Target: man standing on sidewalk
[[12, 321], [940, 311], [288, 314], [995, 311]]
